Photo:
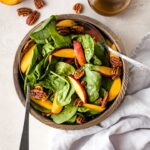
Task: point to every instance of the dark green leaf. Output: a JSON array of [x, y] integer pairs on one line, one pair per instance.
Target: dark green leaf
[[68, 112]]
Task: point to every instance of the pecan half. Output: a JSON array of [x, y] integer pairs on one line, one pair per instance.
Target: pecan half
[[24, 11], [116, 72], [32, 18], [78, 102], [79, 73], [28, 45], [78, 7], [77, 29], [39, 3], [38, 93], [80, 120], [115, 62], [63, 30]]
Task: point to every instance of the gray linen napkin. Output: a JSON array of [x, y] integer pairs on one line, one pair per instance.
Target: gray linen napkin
[[128, 128]]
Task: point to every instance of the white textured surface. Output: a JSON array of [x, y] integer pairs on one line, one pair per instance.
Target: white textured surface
[[129, 26]]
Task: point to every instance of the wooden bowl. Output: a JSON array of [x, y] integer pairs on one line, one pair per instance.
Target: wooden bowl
[[104, 115]]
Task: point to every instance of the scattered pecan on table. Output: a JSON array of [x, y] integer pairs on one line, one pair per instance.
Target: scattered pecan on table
[[78, 7], [24, 11], [39, 3], [33, 17]]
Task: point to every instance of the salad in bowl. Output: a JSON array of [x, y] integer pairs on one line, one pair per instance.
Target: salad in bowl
[[72, 76]]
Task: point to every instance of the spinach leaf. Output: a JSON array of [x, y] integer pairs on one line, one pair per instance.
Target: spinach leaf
[[93, 80], [47, 49], [88, 45], [100, 52], [96, 60], [58, 84], [41, 33], [33, 62], [89, 112], [106, 83], [63, 68], [68, 112], [39, 72], [59, 40], [72, 120], [47, 31]]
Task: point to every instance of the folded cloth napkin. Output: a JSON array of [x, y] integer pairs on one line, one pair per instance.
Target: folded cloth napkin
[[128, 128]]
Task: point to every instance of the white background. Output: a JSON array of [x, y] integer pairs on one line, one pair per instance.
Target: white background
[[129, 26]]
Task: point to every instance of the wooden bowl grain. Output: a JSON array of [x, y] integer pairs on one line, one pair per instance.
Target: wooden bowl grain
[[104, 115]]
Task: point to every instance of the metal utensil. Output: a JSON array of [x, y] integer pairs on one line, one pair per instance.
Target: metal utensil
[[137, 64], [24, 144]]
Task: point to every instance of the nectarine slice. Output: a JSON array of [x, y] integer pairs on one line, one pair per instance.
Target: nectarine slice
[[94, 107], [45, 104], [79, 53], [66, 53], [115, 89], [112, 54], [105, 71], [65, 23], [78, 88], [56, 109], [26, 60]]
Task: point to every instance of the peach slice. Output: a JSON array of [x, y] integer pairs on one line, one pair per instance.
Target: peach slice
[[109, 43], [94, 107], [66, 53], [78, 88], [105, 71], [45, 104], [113, 46], [65, 23], [56, 108], [26, 60], [11, 2], [79, 53], [115, 89]]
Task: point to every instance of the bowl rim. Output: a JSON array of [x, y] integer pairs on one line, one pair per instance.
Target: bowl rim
[[102, 116]]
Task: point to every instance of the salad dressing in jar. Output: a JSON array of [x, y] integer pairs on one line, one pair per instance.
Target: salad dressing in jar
[[109, 7]]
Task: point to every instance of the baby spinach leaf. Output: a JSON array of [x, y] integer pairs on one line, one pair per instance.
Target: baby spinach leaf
[[39, 71], [68, 112], [59, 40], [33, 62], [41, 33], [88, 46], [96, 60], [47, 49], [106, 83], [93, 80], [83, 109], [63, 68], [72, 120], [100, 52], [58, 84]]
